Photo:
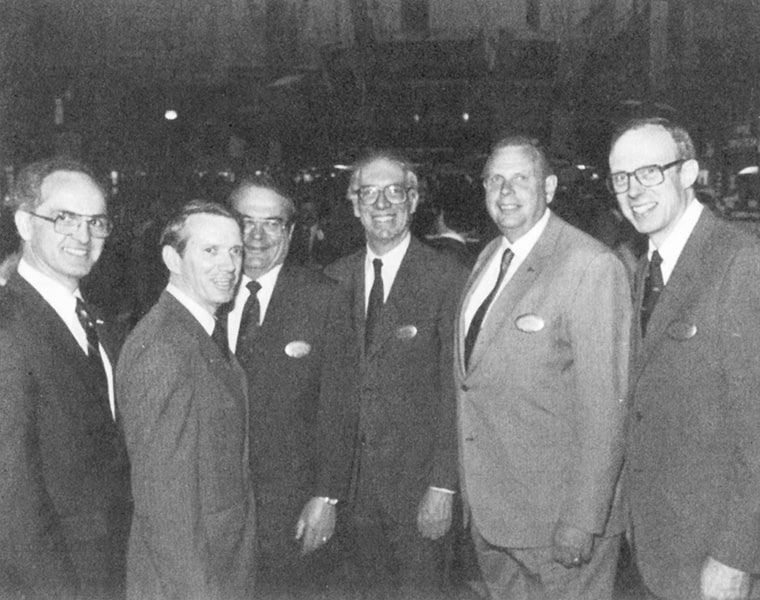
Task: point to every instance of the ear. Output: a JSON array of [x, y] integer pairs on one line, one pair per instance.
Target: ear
[[550, 187], [172, 259], [354, 197], [23, 222], [689, 173], [414, 199]]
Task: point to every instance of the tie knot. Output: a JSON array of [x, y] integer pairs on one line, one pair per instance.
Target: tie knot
[[83, 313], [253, 287], [506, 258], [377, 264], [656, 259]]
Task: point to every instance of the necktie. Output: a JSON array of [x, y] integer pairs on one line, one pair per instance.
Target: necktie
[[219, 334], [376, 301], [477, 319], [652, 288], [93, 346], [249, 323]]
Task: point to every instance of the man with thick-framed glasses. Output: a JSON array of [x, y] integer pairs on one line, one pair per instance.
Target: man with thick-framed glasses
[[693, 457], [64, 493], [404, 297], [290, 328]]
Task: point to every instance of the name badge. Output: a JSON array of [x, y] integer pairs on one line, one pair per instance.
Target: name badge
[[298, 349], [407, 332], [529, 323], [681, 330]]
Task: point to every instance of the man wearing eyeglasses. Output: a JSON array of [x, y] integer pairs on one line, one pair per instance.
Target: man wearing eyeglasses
[[64, 476], [404, 301], [290, 329], [693, 457]]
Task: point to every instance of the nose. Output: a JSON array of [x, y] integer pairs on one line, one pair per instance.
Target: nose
[[382, 201], [82, 233], [256, 231], [506, 188], [228, 261]]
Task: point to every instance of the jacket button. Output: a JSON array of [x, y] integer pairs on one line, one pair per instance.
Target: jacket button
[[469, 439], [464, 387], [639, 416]]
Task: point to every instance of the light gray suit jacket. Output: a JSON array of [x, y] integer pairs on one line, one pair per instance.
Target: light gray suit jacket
[[541, 409]]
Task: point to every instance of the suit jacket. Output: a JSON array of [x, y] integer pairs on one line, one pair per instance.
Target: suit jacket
[[694, 453], [407, 439], [541, 407], [185, 419], [460, 251], [64, 475], [302, 366]]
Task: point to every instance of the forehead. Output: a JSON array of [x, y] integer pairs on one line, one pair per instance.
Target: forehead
[[202, 229], [647, 145], [381, 171], [511, 159], [73, 192], [260, 202]]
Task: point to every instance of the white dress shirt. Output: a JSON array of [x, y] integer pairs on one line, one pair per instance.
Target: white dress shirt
[[64, 302], [671, 248], [267, 282], [391, 264], [520, 248]]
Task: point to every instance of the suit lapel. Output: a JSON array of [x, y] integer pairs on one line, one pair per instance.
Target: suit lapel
[[502, 310]]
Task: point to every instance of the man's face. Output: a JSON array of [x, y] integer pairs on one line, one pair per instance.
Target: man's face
[[518, 195], [209, 267], [652, 210], [267, 232], [385, 224], [64, 257]]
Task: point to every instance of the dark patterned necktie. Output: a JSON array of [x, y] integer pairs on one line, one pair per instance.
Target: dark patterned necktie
[[249, 322], [375, 305], [477, 319], [652, 288], [93, 346], [219, 334]]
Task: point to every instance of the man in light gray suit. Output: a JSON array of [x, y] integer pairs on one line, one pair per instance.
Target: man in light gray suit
[[541, 367]]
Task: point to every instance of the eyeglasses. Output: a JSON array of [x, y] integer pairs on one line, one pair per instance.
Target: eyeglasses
[[495, 183], [273, 227], [68, 223], [648, 176], [395, 193]]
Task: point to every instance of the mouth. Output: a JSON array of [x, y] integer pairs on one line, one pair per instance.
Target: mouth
[[77, 252], [508, 208], [224, 284], [641, 210]]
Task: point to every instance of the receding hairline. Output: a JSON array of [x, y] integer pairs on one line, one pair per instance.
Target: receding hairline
[[244, 186]]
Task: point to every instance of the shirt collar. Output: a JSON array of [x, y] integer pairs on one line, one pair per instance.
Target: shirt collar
[[524, 244], [54, 293], [391, 259], [206, 319], [670, 250]]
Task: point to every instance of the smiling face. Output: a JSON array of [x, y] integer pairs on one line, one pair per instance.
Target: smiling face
[[209, 266], [521, 200], [264, 248], [653, 210], [64, 257], [385, 224]]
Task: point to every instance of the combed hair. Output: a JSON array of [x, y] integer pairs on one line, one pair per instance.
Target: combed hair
[[267, 182], [410, 176], [536, 149], [172, 234], [684, 144], [27, 189]]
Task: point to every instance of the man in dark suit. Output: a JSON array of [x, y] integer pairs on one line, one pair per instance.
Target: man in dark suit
[[541, 373], [693, 461], [404, 302], [296, 346], [64, 483], [185, 407]]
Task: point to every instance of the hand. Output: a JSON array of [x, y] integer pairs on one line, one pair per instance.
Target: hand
[[434, 513], [571, 547], [721, 582], [316, 524]]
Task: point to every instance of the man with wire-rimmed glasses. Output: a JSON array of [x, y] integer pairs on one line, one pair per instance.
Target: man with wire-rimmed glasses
[[64, 489], [404, 301], [693, 457]]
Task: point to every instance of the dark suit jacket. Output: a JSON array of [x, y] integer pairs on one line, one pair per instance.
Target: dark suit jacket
[[407, 436], [301, 368], [64, 476], [186, 424], [542, 404], [693, 464], [454, 248]]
